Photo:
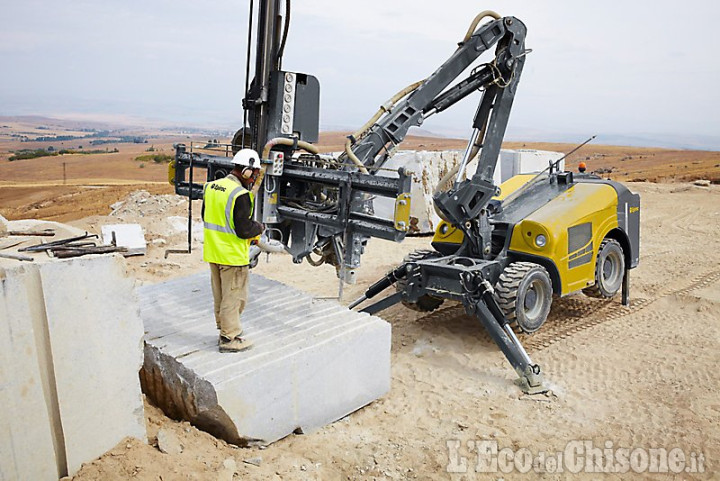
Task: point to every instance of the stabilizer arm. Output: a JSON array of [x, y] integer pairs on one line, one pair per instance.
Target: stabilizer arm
[[480, 302]]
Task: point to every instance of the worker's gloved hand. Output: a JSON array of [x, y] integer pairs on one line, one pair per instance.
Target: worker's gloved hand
[[255, 240]]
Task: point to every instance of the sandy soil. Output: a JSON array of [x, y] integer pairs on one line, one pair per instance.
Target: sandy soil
[[641, 376]]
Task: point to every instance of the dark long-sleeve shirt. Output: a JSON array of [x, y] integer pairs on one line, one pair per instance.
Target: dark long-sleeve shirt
[[245, 226]]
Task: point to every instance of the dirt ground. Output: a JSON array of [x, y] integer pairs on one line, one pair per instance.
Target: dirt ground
[[632, 377], [638, 378]]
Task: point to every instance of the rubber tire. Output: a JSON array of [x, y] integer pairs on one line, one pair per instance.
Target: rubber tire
[[512, 288], [425, 303], [610, 250]]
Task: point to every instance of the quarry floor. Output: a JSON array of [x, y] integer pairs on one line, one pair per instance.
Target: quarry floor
[[643, 376]]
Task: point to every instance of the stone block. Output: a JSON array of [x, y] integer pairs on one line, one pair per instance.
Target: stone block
[[129, 236], [96, 337], [526, 161], [429, 167], [3, 226], [27, 427], [313, 361]]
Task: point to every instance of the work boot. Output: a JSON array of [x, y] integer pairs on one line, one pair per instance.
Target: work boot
[[238, 344], [221, 337]]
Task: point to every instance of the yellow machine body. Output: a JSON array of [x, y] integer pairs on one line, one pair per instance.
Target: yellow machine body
[[574, 223]]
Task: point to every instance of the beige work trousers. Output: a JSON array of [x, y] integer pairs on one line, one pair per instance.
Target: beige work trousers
[[230, 292]]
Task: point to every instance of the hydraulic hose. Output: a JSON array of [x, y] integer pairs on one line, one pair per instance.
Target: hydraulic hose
[[266, 153], [269, 246], [476, 21], [384, 108], [308, 147], [286, 29], [351, 155]]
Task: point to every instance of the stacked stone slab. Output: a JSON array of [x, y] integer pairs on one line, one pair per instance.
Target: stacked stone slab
[[313, 361], [69, 365]]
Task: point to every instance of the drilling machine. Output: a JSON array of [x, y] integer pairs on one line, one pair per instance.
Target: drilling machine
[[502, 252]]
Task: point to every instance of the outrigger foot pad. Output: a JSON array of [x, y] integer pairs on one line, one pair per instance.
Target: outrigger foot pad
[[531, 381]]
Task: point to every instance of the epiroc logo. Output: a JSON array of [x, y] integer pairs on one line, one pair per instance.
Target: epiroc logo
[[218, 187]]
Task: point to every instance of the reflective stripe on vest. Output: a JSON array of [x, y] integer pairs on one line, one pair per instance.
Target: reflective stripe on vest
[[228, 212], [221, 244]]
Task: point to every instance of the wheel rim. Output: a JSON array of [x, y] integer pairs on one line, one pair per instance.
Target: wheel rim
[[611, 271], [534, 299]]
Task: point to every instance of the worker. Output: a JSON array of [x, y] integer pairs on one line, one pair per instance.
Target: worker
[[227, 244], [582, 167]]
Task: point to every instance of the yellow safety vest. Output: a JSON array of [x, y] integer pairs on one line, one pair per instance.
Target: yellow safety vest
[[221, 244]]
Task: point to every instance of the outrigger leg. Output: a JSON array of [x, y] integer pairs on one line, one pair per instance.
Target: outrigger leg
[[480, 302]]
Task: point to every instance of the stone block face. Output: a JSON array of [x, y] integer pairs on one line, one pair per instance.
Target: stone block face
[[27, 448], [427, 168], [96, 338], [313, 361]]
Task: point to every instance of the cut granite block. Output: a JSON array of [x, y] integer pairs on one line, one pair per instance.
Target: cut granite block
[[96, 337], [28, 424], [313, 361]]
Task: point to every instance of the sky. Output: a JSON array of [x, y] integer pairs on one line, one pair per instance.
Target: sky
[[635, 72]]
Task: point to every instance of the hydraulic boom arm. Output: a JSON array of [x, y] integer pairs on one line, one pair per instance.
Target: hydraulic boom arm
[[429, 97]]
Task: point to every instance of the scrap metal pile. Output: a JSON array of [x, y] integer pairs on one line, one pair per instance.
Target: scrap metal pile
[[73, 247]]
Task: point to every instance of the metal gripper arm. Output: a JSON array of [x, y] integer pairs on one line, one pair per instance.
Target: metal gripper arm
[[464, 204]]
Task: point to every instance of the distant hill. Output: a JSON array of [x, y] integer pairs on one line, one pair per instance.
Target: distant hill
[[514, 133]]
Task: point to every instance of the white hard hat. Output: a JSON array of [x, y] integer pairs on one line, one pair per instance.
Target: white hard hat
[[247, 158]]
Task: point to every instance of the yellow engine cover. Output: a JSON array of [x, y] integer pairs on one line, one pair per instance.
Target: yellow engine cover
[[574, 224]]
